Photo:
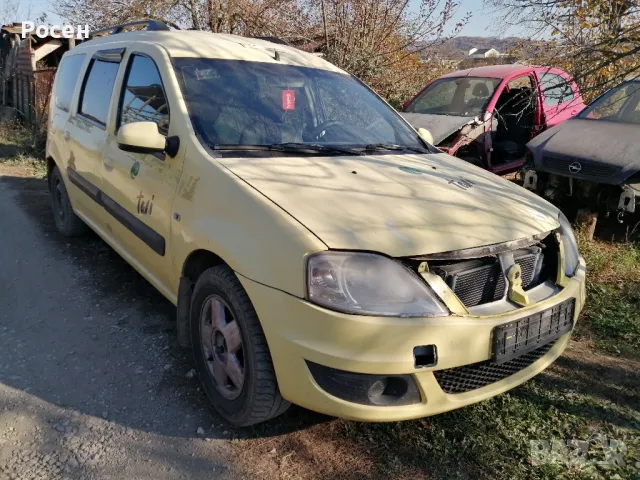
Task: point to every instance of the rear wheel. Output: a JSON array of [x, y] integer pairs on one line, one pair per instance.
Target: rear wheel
[[231, 352], [67, 222]]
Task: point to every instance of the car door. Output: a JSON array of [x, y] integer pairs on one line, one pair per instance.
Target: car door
[[515, 116], [85, 135], [559, 96], [139, 188], [62, 96]]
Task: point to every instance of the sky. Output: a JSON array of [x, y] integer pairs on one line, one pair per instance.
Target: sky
[[481, 24]]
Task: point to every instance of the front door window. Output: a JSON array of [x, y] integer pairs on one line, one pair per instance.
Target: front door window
[[515, 118]]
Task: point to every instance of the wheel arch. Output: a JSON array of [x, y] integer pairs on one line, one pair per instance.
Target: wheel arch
[[50, 164], [194, 265]]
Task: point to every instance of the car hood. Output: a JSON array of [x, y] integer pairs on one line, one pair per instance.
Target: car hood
[[401, 205], [440, 126], [598, 142]]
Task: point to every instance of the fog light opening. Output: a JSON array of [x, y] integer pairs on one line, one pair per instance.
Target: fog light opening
[[387, 390], [425, 356], [365, 388]]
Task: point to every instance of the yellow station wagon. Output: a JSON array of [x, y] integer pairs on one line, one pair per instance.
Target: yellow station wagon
[[318, 249]]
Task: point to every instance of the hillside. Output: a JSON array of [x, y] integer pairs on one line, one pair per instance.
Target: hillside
[[457, 48]]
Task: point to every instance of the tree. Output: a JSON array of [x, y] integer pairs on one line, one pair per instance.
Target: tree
[[384, 42], [9, 11], [597, 41], [241, 17]]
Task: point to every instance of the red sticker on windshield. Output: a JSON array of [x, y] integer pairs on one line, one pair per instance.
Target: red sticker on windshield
[[288, 100]]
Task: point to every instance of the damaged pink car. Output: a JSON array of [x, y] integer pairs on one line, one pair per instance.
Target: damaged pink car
[[486, 115]]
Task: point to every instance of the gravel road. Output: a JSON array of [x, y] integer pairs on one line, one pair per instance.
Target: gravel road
[[92, 382]]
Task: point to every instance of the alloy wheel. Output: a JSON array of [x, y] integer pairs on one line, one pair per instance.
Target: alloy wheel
[[222, 347]]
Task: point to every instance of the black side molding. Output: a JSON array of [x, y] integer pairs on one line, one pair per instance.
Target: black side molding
[[149, 236], [83, 184]]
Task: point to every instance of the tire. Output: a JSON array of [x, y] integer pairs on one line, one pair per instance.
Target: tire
[[67, 222], [231, 352]]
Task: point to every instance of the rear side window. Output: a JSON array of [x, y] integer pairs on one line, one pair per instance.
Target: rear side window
[[143, 98], [98, 87], [555, 89], [67, 79]]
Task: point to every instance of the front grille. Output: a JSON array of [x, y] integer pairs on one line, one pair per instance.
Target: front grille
[[478, 375], [480, 281], [561, 166]]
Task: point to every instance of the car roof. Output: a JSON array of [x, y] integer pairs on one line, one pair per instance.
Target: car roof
[[492, 71], [198, 44]]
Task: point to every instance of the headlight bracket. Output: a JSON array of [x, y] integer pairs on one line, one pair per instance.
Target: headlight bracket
[[561, 278]]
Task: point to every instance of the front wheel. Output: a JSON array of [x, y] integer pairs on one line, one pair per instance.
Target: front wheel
[[231, 352]]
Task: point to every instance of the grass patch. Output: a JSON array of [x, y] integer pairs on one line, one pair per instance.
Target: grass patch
[[20, 148], [611, 318], [493, 439]]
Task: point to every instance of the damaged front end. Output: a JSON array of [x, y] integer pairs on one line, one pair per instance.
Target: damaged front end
[[609, 199], [500, 278], [462, 137], [497, 281], [594, 157]]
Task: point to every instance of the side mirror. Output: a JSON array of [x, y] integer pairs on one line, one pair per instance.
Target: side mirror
[[144, 137], [426, 135]]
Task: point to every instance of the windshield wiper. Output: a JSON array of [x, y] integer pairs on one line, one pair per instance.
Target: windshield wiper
[[313, 147], [296, 147], [392, 146]]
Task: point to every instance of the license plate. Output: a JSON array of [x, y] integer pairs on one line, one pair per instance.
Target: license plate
[[516, 338]]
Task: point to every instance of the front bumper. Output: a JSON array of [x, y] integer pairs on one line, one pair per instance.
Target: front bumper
[[299, 332]]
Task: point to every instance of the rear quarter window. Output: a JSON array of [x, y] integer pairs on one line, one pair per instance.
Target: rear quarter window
[[67, 79], [555, 89], [98, 88]]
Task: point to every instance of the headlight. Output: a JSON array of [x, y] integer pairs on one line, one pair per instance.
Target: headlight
[[634, 181], [571, 255], [365, 283]]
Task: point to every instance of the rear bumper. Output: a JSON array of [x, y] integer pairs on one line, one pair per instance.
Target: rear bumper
[[299, 332]]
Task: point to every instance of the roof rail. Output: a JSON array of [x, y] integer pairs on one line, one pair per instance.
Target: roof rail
[[277, 40], [152, 25]]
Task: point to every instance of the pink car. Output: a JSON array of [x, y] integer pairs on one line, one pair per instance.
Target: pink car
[[486, 115]]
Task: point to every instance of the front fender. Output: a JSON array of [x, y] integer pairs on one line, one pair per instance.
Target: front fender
[[254, 236]]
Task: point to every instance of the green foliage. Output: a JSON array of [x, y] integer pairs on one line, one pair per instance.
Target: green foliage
[[19, 147], [612, 314]]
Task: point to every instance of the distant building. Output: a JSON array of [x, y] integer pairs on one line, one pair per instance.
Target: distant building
[[484, 53]]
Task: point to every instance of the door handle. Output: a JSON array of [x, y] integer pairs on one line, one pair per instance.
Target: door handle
[[108, 162], [67, 135], [573, 112]]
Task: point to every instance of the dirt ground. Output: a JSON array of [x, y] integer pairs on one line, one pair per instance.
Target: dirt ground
[[93, 384]]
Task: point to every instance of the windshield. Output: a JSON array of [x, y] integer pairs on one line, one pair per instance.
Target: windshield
[[620, 104], [238, 103], [459, 96]]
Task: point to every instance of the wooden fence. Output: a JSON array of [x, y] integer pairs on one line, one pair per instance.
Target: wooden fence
[[30, 95]]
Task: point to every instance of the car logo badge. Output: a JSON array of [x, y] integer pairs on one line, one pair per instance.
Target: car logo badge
[[135, 169], [575, 167], [462, 183]]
